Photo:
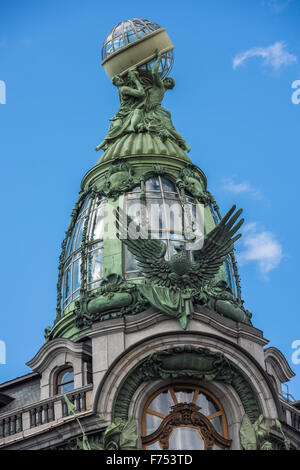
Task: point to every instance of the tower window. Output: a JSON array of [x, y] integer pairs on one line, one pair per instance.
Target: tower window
[[184, 417], [72, 281], [163, 209]]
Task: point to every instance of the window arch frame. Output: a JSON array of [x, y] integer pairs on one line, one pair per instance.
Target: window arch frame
[[147, 440], [58, 375]]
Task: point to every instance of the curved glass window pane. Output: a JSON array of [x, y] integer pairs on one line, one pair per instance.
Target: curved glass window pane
[[174, 216], [184, 395], [128, 31], [152, 184], [65, 381], [71, 282], [71, 279], [79, 234], [155, 210], [152, 423], [67, 377], [217, 424], [154, 446], [94, 263], [76, 274], [183, 434], [207, 406], [186, 439], [162, 403], [66, 388], [164, 212], [131, 266], [76, 236], [168, 185], [135, 210], [97, 223]]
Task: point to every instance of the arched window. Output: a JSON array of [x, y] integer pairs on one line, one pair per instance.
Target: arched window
[[163, 208], [65, 381], [95, 243], [184, 417], [71, 282], [72, 265]]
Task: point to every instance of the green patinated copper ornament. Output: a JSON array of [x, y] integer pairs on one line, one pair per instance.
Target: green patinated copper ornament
[[170, 284], [140, 108]]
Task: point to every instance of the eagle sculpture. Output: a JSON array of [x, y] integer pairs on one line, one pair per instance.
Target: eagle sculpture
[[186, 268]]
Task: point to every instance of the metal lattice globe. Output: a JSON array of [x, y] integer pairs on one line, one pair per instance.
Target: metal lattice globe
[[132, 43]]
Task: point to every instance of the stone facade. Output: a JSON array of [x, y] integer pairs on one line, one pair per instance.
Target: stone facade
[[114, 348]]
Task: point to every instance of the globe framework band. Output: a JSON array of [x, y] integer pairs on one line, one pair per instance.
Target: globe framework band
[[138, 53]]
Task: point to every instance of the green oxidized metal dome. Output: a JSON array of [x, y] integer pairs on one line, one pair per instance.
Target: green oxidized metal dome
[[144, 163]]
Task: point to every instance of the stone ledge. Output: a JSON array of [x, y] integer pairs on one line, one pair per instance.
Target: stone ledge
[[153, 316]]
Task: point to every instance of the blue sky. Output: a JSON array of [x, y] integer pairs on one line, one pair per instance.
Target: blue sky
[[235, 62]]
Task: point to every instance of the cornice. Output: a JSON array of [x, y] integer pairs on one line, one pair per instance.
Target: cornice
[[279, 363], [50, 350], [152, 316]]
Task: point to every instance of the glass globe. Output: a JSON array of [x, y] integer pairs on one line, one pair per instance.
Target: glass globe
[[130, 31]]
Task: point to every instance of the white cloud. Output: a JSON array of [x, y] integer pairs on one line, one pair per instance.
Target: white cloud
[[260, 247], [232, 187], [275, 56], [277, 5]]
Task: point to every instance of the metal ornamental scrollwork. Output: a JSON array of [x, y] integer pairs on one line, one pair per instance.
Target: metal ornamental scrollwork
[[190, 180], [115, 298], [118, 179]]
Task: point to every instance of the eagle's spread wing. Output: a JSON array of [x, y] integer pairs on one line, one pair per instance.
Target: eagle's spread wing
[[217, 245], [149, 253]]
